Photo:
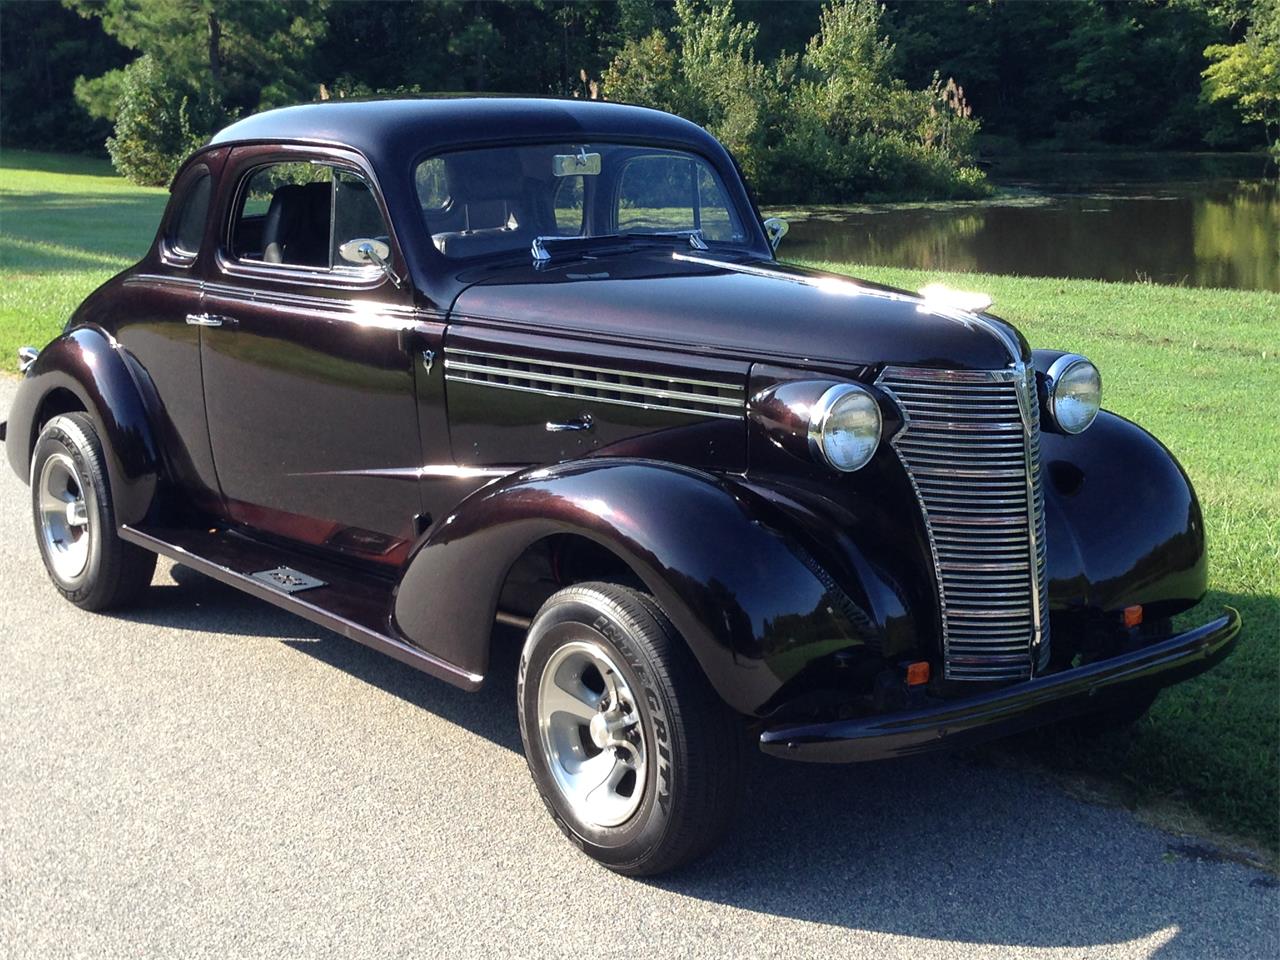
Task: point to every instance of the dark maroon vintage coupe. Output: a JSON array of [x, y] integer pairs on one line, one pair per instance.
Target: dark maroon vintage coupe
[[411, 369]]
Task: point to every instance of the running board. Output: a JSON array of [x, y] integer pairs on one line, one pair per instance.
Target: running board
[[344, 601]]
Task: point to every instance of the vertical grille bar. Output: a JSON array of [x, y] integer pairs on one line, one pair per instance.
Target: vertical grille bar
[[971, 447]]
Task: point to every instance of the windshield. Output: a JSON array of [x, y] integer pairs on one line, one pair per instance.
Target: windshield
[[492, 200]]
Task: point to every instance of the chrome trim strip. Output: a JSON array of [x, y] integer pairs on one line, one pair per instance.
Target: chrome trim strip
[[287, 299], [162, 280], [445, 470], [576, 396], [542, 377], [587, 384], [612, 371]]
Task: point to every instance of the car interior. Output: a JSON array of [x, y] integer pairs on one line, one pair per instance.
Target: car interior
[[305, 224]]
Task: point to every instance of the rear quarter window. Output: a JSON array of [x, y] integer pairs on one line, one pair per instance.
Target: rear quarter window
[[186, 230]]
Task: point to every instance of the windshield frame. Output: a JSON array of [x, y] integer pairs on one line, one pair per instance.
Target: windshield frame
[[737, 195]]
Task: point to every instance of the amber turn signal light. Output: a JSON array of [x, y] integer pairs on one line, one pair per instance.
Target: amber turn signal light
[[918, 673], [1133, 615]]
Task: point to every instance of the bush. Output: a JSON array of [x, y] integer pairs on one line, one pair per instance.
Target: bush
[[830, 125], [159, 121]]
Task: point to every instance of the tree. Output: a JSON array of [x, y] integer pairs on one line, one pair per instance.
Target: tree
[[154, 130], [1247, 74], [209, 61], [832, 122], [42, 48]]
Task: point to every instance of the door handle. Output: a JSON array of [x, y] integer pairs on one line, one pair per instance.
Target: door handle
[[208, 320], [583, 422]]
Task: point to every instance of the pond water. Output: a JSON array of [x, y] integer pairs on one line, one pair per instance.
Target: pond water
[[1194, 220]]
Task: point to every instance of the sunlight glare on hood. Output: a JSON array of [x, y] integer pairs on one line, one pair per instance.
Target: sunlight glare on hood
[[942, 295]]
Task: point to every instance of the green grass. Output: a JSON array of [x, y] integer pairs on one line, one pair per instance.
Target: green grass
[[1196, 367], [1200, 369], [66, 225]]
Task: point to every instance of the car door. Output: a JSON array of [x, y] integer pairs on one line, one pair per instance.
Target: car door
[[309, 377]]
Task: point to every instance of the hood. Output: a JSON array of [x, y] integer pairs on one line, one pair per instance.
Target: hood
[[753, 309]]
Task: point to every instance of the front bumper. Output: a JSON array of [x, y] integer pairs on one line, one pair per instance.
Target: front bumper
[[1071, 692]]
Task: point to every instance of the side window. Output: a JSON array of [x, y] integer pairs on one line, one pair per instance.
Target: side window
[[662, 192], [285, 215], [187, 226], [432, 184], [301, 214], [355, 217]]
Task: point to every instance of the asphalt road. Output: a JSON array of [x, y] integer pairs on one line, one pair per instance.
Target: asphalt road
[[207, 776]]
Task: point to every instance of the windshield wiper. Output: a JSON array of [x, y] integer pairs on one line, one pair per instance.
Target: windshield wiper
[[542, 247]]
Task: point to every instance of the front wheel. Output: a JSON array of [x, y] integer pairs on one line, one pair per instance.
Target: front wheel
[[634, 754]]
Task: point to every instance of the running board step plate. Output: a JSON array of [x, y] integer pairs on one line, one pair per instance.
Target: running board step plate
[[287, 579], [354, 604]]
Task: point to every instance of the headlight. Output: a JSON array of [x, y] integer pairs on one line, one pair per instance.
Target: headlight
[[844, 427], [1073, 388]]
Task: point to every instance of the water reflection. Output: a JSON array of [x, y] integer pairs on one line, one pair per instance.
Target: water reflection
[[1219, 231]]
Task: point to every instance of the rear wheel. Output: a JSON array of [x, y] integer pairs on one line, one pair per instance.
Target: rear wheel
[[635, 756], [75, 520]]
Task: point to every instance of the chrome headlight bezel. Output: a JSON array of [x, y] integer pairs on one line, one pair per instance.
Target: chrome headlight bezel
[[822, 419], [1055, 378]]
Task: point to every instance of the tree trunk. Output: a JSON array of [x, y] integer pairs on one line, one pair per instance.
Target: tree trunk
[[215, 49]]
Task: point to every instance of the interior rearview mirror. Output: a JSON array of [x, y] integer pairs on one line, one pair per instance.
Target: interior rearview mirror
[[580, 164], [775, 228]]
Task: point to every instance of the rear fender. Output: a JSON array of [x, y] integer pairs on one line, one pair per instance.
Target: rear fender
[[89, 364], [730, 581]]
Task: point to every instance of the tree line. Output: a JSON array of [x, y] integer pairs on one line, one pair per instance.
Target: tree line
[[820, 100]]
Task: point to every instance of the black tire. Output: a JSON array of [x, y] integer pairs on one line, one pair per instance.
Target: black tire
[[113, 573], [695, 742]]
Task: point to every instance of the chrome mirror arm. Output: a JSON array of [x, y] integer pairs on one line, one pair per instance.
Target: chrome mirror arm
[[368, 251], [775, 228]]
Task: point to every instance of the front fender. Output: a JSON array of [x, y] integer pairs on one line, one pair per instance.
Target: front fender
[[1123, 523], [730, 581], [87, 363]]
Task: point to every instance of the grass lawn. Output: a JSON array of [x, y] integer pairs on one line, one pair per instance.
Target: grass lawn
[[1196, 367], [66, 225]]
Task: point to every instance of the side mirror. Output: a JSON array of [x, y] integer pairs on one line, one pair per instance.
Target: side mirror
[[775, 228], [362, 251]]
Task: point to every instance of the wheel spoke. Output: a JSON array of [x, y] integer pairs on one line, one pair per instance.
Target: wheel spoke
[[594, 773], [610, 686], [580, 703], [600, 793]]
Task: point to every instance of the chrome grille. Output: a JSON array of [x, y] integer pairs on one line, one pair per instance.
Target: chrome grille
[[705, 398], [971, 446]]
